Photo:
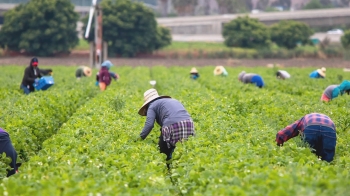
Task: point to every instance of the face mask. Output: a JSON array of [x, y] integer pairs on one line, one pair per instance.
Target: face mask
[[35, 64]]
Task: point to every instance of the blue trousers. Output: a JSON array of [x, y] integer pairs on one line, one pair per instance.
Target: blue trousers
[[258, 81], [25, 89], [7, 148], [322, 140]]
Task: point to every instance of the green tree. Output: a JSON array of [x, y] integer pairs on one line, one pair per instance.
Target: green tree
[[246, 32], [40, 27], [345, 39], [289, 33], [130, 28]]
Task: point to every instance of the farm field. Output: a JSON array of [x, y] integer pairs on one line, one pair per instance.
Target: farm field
[[75, 140]]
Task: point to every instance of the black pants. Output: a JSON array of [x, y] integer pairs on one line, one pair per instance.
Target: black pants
[[163, 148], [6, 147]]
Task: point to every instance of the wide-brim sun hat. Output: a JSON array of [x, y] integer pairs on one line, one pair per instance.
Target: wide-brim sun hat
[[148, 96], [218, 70], [87, 71], [193, 70], [322, 72]]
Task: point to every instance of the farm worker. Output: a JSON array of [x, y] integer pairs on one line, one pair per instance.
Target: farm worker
[[113, 75], [281, 74], [176, 123], [318, 130], [319, 73], [333, 91], [251, 78], [194, 73], [83, 71], [32, 74], [220, 71], [104, 76], [7, 148]]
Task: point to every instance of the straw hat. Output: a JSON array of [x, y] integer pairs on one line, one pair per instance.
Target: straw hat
[[218, 70], [87, 71], [322, 72], [148, 96], [193, 70]]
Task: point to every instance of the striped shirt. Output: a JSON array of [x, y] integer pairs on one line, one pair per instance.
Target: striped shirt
[[292, 130]]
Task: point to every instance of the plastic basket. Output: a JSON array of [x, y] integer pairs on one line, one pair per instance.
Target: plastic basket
[[44, 83]]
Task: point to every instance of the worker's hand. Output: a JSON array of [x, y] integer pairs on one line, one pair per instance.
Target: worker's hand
[[279, 142], [36, 81], [96, 83]]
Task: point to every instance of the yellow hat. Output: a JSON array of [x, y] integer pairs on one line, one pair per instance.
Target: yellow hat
[[218, 70], [193, 70], [149, 96]]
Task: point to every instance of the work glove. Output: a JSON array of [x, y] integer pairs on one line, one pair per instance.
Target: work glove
[[96, 83], [36, 81]]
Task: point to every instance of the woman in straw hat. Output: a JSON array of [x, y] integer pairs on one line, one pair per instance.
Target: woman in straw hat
[[83, 71], [194, 73], [220, 71], [281, 74], [333, 91], [319, 73], [251, 78], [176, 123]]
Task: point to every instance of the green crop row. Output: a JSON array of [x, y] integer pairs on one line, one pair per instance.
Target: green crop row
[[233, 152]]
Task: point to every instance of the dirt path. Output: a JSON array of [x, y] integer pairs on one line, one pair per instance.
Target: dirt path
[[73, 61]]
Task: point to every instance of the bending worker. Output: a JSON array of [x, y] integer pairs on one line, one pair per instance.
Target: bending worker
[[220, 71], [83, 71], [319, 73], [7, 148], [251, 78], [194, 73], [333, 91], [281, 74], [176, 123], [318, 130]]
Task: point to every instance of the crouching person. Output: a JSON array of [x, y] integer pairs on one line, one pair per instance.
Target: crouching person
[[318, 130], [281, 74], [333, 91], [7, 148], [83, 71], [251, 78], [176, 123]]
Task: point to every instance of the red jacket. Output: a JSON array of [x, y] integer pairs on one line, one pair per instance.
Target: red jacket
[[104, 76]]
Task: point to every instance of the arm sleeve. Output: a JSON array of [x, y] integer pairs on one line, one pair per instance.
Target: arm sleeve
[[149, 124], [27, 76], [289, 132]]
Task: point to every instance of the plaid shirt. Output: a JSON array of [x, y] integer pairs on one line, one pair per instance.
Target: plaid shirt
[[292, 130], [177, 132]]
